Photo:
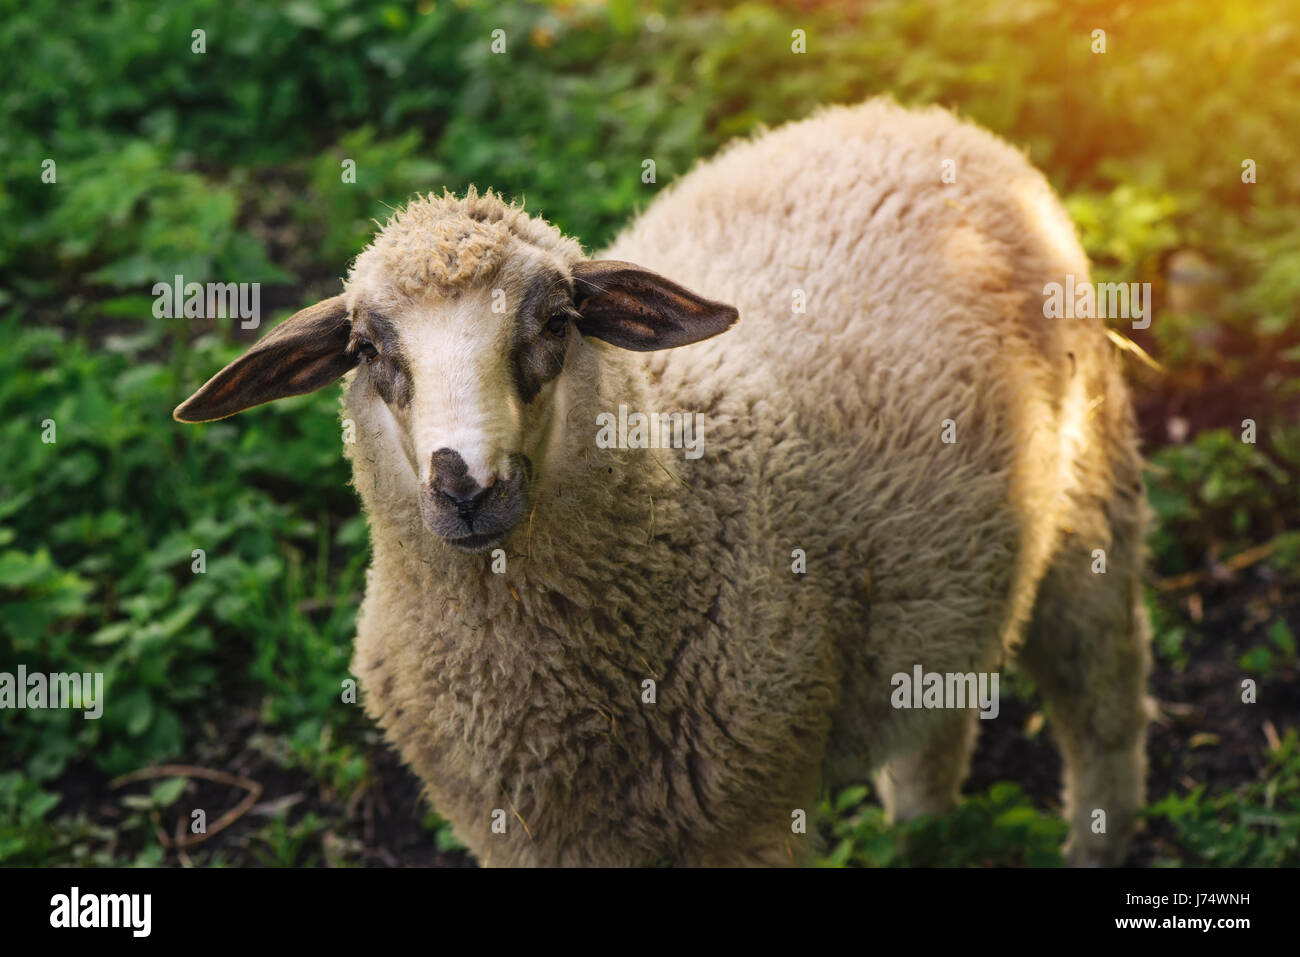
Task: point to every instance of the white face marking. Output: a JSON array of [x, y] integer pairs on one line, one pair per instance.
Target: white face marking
[[465, 398]]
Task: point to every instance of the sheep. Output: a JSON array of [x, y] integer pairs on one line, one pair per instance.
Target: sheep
[[605, 655]]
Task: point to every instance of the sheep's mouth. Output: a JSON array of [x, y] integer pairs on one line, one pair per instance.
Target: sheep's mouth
[[475, 544]]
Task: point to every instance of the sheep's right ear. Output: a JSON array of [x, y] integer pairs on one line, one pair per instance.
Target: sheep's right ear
[[641, 310], [304, 353]]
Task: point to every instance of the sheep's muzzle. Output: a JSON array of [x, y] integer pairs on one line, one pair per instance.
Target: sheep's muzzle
[[469, 517]]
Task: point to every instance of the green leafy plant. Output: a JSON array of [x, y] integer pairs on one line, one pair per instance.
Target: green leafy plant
[[996, 829], [1254, 825]]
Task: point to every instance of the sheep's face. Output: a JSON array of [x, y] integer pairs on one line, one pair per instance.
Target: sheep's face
[[463, 328], [463, 391]]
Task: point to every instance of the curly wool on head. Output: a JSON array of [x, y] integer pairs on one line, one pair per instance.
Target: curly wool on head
[[445, 244]]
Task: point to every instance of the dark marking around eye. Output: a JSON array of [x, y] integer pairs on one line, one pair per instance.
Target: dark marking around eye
[[537, 356], [388, 370]]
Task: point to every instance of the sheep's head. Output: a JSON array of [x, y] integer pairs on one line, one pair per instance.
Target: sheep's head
[[465, 326]]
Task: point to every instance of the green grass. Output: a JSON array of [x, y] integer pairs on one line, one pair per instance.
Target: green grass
[[1000, 828], [1254, 825]]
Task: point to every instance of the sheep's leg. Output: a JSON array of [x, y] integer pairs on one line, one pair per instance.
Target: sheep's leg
[[1087, 650], [928, 780]]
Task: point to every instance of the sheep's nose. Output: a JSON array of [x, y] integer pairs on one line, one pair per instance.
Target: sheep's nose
[[449, 477]]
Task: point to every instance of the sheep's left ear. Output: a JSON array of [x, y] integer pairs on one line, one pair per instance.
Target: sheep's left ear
[[304, 353], [641, 310]]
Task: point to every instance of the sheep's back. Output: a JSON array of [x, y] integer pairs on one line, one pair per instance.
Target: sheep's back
[[922, 318], [847, 211]]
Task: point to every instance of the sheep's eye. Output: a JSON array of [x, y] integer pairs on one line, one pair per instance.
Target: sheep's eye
[[558, 324], [366, 349]]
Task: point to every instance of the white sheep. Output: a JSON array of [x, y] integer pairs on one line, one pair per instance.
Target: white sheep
[[596, 654]]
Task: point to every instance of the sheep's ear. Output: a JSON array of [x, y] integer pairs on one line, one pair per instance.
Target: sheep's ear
[[304, 353], [638, 309]]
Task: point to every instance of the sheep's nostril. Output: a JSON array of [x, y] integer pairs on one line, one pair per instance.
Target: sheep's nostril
[[467, 505], [449, 476], [459, 492]]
